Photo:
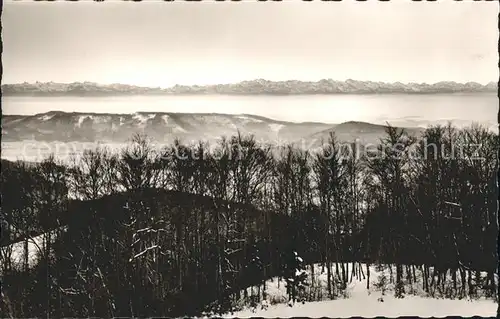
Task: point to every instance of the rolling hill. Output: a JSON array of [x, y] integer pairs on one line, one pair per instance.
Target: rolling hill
[[165, 127]]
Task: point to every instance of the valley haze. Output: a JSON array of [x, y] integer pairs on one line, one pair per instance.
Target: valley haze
[[117, 111]]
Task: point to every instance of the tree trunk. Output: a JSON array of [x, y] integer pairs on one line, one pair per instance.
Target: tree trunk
[[367, 276], [26, 255]]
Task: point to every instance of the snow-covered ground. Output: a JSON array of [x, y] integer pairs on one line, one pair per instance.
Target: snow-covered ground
[[16, 251], [358, 301], [368, 306], [355, 300]]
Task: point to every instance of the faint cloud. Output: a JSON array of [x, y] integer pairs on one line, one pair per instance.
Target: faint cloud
[[478, 56]]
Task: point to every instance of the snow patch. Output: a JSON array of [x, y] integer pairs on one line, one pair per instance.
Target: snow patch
[[143, 118], [82, 118], [178, 129], [46, 117], [276, 127], [34, 249], [165, 118], [35, 246], [247, 119]]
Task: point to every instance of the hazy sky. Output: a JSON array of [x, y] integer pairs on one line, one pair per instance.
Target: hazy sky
[[161, 44]]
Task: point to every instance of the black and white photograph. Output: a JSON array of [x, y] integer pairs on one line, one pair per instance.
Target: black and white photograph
[[239, 159]]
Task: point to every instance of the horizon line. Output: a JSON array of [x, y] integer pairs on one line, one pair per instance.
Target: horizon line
[[252, 80]]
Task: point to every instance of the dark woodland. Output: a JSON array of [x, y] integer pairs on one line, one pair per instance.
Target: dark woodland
[[184, 230]]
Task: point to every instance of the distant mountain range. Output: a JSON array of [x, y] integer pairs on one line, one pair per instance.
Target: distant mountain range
[[189, 127], [325, 86]]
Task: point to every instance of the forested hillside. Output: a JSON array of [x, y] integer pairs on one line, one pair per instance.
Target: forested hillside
[[185, 229]]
